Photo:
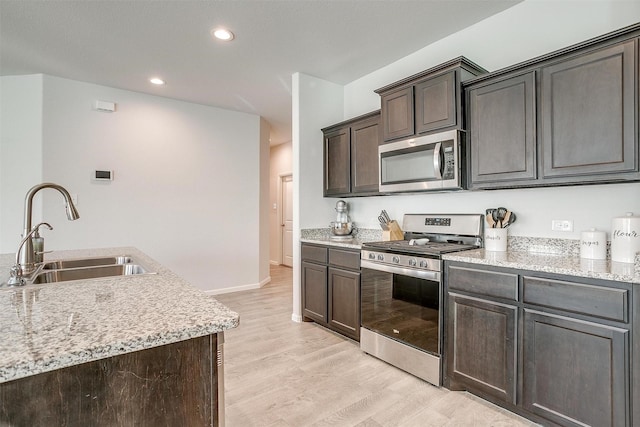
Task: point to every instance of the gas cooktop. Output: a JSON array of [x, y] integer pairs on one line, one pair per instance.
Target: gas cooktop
[[430, 248]]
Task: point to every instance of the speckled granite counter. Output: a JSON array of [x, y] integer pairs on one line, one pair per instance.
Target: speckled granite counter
[[322, 236], [571, 265], [52, 326]]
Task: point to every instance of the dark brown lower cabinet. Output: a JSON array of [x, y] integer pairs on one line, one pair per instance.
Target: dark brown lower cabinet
[[482, 346], [170, 385], [344, 301], [314, 285], [558, 349], [576, 373], [330, 280]]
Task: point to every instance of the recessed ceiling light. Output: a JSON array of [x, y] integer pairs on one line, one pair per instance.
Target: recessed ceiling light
[[222, 34], [157, 81]]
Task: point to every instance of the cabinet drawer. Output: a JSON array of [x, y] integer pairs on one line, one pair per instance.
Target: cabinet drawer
[[607, 303], [482, 282], [346, 259], [314, 253]]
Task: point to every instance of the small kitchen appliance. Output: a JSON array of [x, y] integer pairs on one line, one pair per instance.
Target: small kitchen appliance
[[424, 163], [341, 228], [401, 290]]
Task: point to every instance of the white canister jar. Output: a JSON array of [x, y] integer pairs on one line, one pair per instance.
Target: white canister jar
[[593, 244], [625, 238], [495, 239]]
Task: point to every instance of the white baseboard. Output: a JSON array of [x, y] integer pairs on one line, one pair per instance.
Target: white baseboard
[[274, 262], [296, 318], [265, 281], [238, 288]]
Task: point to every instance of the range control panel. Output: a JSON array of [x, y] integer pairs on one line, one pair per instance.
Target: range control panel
[[438, 222]]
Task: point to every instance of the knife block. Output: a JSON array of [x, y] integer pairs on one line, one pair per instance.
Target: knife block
[[394, 232]]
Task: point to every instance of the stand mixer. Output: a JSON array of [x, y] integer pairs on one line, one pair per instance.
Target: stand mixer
[[341, 228]]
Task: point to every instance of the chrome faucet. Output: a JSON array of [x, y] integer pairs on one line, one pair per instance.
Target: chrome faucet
[[25, 257]]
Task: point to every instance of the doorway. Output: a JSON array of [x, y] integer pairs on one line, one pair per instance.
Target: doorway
[[286, 219]]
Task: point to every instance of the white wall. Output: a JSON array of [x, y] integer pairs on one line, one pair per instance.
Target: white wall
[[316, 103], [527, 30], [263, 205], [281, 163], [20, 153], [187, 185]]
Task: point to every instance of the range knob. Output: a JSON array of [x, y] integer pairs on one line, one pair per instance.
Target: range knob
[[396, 260], [423, 264], [413, 262], [380, 257], [372, 256]]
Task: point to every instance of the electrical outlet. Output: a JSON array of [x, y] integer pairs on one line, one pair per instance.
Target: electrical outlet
[[562, 225]]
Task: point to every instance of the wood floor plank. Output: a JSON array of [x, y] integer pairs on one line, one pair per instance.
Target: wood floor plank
[[279, 373]]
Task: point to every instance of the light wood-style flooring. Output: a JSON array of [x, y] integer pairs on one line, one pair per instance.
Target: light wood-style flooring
[[280, 373]]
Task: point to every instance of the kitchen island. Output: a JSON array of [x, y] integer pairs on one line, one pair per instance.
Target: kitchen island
[[138, 349]]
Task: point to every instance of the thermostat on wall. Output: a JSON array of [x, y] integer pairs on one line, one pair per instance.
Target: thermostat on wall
[[103, 175]]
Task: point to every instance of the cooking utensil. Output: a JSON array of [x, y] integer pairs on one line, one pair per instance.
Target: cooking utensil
[[489, 218], [382, 219], [506, 219], [500, 213], [512, 219], [386, 216]]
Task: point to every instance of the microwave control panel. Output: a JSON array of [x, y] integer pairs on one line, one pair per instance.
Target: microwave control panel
[[449, 160]]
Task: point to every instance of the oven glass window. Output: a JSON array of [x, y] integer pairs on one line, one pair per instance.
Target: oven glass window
[[402, 308], [409, 165]]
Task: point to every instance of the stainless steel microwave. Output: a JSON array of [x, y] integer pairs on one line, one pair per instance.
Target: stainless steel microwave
[[424, 163]]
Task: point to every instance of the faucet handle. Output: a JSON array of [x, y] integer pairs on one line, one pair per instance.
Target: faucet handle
[[15, 276]]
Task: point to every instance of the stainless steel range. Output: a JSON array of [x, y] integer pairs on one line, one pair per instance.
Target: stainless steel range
[[401, 290]]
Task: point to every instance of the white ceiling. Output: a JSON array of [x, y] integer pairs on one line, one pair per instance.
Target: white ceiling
[[121, 43]]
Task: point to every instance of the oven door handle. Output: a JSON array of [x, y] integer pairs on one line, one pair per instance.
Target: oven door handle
[[418, 274]]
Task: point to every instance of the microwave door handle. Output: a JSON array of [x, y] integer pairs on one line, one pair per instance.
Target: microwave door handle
[[437, 167]]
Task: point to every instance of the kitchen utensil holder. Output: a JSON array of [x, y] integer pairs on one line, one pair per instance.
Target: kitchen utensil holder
[[394, 232], [495, 239]]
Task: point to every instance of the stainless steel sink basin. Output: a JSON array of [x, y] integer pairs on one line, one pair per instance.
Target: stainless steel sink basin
[[84, 273], [87, 262]]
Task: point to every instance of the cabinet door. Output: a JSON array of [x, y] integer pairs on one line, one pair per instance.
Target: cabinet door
[[314, 291], [575, 372], [397, 114], [482, 346], [337, 164], [502, 132], [436, 103], [365, 138], [344, 302], [588, 114]]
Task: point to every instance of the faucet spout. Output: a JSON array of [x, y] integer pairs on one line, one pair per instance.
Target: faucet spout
[[26, 255]]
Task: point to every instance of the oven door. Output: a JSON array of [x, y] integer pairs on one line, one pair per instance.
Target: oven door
[[402, 304]]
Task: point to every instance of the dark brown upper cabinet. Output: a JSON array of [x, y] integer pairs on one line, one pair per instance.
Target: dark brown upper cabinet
[[569, 117], [587, 104], [426, 102], [351, 157], [503, 130]]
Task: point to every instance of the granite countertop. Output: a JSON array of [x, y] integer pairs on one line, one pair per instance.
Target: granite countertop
[[571, 265], [322, 236], [52, 326]]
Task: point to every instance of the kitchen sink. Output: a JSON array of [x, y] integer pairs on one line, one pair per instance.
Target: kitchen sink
[[87, 262], [93, 272]]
